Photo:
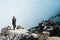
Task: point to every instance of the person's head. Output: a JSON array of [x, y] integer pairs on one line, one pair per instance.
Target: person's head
[[13, 16]]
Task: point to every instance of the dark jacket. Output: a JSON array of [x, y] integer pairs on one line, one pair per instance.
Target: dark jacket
[[13, 21]]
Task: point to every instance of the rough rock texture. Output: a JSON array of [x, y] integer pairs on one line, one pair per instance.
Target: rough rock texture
[[17, 34]]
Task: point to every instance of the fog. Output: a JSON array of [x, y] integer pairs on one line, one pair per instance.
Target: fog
[[28, 12]]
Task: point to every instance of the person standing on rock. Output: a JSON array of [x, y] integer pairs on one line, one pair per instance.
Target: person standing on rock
[[14, 22]]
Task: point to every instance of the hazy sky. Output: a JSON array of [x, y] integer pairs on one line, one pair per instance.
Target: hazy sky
[[28, 12]]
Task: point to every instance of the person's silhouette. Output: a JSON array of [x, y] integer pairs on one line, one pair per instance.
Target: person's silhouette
[[14, 22]]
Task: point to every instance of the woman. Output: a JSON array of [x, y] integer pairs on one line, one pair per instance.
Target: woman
[[14, 22]]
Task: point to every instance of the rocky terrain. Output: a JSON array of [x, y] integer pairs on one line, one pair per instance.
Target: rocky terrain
[[46, 30], [23, 34], [18, 34]]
